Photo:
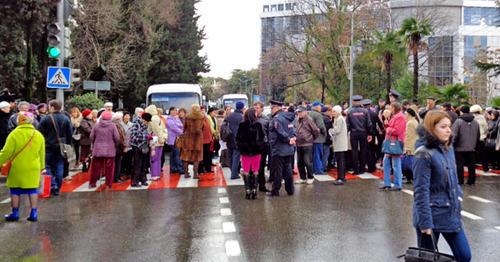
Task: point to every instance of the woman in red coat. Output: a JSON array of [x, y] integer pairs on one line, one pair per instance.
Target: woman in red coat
[[395, 131]]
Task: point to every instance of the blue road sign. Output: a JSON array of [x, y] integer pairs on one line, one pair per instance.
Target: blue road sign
[[58, 77]]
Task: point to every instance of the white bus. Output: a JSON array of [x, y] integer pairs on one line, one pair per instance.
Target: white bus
[[232, 99], [177, 95]]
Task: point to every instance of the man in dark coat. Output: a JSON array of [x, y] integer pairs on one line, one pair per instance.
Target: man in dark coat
[[282, 141], [359, 125], [259, 109], [234, 120], [4, 122], [465, 140], [377, 128], [54, 160]]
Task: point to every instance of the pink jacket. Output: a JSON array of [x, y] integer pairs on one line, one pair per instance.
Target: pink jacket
[[397, 127]]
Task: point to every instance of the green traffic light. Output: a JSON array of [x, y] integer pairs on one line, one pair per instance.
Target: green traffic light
[[53, 52]]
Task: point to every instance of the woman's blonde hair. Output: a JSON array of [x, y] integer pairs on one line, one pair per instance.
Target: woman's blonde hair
[[75, 110], [196, 108]]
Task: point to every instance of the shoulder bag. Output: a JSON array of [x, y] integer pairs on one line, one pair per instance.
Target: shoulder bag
[[8, 165], [392, 147], [418, 254], [67, 150]]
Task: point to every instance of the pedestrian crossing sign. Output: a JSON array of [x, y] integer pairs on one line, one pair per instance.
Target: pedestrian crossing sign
[[58, 77]]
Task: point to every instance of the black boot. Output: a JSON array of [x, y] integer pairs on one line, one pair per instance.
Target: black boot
[[246, 181], [253, 185]]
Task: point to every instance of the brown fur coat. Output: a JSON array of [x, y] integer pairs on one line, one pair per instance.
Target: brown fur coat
[[192, 138]]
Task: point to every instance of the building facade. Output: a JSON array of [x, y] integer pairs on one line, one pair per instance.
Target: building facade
[[462, 30]]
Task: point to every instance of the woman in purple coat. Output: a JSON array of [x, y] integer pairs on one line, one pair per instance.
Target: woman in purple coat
[[105, 139], [175, 129]]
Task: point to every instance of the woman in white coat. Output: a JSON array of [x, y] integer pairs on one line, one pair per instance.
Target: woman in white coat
[[339, 143]]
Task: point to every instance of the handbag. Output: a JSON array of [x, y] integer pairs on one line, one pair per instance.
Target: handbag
[[8, 164], [76, 136], [417, 254], [392, 147], [67, 150]]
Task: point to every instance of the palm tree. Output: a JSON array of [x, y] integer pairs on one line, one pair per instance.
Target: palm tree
[[388, 47], [412, 31]]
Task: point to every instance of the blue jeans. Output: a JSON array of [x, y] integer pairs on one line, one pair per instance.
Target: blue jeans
[[175, 160], [457, 241], [54, 164], [318, 158], [326, 155], [396, 166], [234, 155]]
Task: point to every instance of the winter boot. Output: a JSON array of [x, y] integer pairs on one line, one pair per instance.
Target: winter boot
[[246, 181], [33, 215], [253, 185], [14, 216], [186, 170]]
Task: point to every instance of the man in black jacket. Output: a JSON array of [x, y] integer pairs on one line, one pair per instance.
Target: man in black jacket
[[377, 128], [54, 160], [359, 125], [4, 122], [234, 120]]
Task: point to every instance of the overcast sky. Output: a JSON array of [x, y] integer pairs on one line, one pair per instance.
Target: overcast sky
[[232, 29]]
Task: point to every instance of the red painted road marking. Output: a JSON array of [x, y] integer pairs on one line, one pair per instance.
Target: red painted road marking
[[77, 180], [167, 180], [213, 179]]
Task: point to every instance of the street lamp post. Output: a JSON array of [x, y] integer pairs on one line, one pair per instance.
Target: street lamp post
[[351, 61]]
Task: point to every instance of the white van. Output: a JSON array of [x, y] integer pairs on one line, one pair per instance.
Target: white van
[[174, 95], [232, 99]]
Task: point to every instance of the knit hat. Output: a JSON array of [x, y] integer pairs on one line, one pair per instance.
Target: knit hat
[[106, 115], [337, 109], [316, 103], [239, 105], [25, 118], [4, 104], [86, 112], [40, 106], [147, 117]]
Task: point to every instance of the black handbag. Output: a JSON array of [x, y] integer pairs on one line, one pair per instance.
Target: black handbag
[[417, 254]]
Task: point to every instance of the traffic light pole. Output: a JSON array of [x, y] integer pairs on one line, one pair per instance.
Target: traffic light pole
[[60, 61]]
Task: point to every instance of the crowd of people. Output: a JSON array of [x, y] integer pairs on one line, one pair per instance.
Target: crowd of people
[[398, 136]]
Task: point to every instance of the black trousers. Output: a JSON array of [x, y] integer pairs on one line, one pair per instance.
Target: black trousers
[[372, 156], [206, 165], [140, 163], [282, 170], [118, 167], [481, 155], [359, 146], [340, 157], [304, 162], [380, 141], [466, 159], [127, 160], [261, 178]]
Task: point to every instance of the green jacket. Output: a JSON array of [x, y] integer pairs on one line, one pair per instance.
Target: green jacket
[[25, 171], [317, 118]]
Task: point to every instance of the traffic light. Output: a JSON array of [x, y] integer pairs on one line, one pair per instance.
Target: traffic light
[[54, 40]]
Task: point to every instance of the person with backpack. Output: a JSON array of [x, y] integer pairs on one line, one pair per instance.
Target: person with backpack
[[250, 141], [57, 130]]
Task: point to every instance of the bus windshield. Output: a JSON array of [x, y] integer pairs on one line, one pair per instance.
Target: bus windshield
[[178, 100], [232, 102]]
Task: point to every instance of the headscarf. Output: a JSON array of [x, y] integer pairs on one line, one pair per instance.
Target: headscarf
[[25, 118]]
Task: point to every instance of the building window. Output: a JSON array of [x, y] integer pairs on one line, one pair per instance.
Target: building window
[[281, 7], [472, 44], [294, 6], [441, 60], [288, 6], [480, 15], [273, 8], [266, 9]]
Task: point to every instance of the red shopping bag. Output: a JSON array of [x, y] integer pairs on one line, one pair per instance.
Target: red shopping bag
[[44, 186]]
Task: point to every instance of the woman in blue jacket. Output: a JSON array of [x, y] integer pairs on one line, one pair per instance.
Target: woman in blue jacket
[[436, 207]]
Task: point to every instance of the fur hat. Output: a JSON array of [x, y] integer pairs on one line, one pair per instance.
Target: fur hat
[[106, 115]]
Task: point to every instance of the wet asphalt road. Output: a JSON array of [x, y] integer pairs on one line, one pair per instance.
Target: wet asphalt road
[[320, 222]]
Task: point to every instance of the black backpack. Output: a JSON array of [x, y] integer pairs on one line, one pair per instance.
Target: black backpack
[[225, 132]]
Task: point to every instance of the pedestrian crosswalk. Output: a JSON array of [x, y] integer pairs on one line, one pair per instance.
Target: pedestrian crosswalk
[[221, 177]]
